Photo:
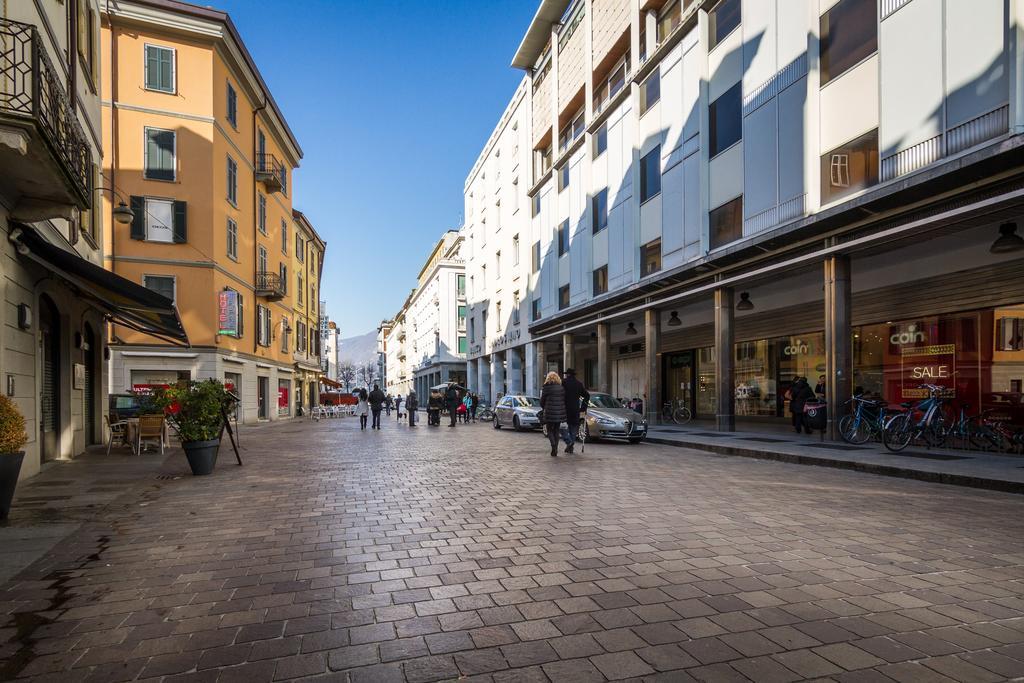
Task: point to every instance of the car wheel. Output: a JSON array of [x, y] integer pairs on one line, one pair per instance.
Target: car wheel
[[636, 439], [497, 424], [515, 424]]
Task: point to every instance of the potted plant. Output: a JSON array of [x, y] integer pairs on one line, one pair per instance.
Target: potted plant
[[195, 410], [12, 439]]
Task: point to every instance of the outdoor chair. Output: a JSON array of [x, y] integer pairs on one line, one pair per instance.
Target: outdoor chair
[[118, 431], [151, 427]]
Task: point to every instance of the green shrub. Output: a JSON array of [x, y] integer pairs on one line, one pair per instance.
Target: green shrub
[[194, 409], [12, 427]]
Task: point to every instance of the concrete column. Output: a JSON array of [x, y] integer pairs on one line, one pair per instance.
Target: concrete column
[[497, 375], [483, 373], [604, 358], [725, 393], [530, 361], [838, 352], [471, 376], [568, 351], [652, 339], [514, 370], [540, 364]]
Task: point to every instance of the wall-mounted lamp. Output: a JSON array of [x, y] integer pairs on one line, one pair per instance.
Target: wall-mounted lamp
[[1008, 240], [673, 319], [24, 316], [630, 330], [745, 304], [122, 214]]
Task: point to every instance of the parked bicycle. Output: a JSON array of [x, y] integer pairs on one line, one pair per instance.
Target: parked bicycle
[[485, 413], [901, 429], [867, 421], [676, 411]]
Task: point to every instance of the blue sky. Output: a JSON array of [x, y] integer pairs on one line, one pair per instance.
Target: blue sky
[[391, 102]]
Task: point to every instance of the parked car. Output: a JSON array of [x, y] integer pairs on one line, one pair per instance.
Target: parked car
[[518, 411], [608, 418], [123, 406]]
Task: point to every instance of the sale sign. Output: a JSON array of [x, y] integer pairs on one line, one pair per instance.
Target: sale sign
[[935, 364]]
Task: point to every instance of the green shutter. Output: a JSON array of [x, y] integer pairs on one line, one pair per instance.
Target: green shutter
[[166, 70], [180, 227], [138, 206], [152, 68]]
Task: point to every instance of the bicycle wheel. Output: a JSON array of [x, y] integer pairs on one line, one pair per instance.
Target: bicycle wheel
[[898, 433], [936, 432], [681, 415], [853, 430]]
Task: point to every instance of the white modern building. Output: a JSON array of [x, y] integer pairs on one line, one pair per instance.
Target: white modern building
[[330, 351], [398, 376], [708, 198], [383, 330]]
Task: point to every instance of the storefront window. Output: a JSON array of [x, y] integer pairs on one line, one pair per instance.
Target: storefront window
[[706, 382], [284, 389]]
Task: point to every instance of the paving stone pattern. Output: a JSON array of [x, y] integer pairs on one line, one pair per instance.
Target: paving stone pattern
[[434, 554]]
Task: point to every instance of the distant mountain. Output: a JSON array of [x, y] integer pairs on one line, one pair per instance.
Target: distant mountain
[[359, 350]]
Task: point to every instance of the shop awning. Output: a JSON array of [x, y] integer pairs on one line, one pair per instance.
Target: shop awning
[[123, 301], [331, 383]]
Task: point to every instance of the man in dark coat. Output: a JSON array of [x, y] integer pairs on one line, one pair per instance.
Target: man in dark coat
[[577, 398], [377, 398], [451, 402], [799, 393], [411, 404]]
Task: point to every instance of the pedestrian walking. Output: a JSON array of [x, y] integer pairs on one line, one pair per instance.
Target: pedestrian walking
[[798, 394], [376, 405], [434, 405], [552, 403], [577, 398], [410, 407], [388, 401], [467, 403], [398, 406], [362, 408], [474, 404], [452, 401]]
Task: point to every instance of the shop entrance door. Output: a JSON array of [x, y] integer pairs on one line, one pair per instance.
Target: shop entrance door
[[679, 379], [50, 371], [263, 396], [92, 374]]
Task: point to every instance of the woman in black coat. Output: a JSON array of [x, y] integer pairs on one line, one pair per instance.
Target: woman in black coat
[[799, 393], [552, 402]]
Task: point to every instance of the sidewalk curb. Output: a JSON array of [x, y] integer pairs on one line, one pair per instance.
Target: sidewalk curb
[[884, 470]]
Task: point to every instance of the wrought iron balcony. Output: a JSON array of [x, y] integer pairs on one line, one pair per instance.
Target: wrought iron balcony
[[270, 286], [271, 173], [53, 162]]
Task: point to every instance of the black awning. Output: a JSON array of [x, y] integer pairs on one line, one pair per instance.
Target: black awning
[[124, 302]]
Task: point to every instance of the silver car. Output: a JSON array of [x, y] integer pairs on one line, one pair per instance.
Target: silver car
[[517, 411], [607, 418]]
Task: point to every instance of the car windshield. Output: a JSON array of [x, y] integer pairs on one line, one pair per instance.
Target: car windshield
[[528, 401], [604, 401]]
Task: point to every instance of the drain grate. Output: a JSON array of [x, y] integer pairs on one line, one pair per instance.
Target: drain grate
[[168, 477]]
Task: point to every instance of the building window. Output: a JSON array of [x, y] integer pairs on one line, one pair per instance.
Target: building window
[[285, 330], [282, 271], [261, 259], [159, 220], [725, 119], [600, 141], [542, 162], [726, 223], [609, 86], [232, 181], [599, 211], [571, 132], [650, 174], [650, 257], [300, 292], [515, 195], [160, 154], [849, 34], [535, 257], [563, 297], [462, 316], [497, 264], [535, 309], [850, 167], [563, 238], [161, 284], [300, 249], [563, 177], [232, 106], [472, 329], [497, 314], [261, 213], [232, 240], [669, 18], [262, 325], [650, 92], [535, 204], [159, 68], [600, 280], [462, 343], [515, 250], [460, 284], [722, 20], [284, 236], [515, 307]]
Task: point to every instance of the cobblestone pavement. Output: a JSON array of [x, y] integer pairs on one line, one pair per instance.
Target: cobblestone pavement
[[437, 554]]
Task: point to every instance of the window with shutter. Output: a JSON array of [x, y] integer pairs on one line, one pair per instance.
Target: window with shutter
[[138, 229], [161, 284], [232, 106], [180, 222], [232, 181], [159, 68], [160, 154]]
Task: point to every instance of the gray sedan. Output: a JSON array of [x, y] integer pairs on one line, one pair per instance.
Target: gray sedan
[[607, 418], [517, 411]]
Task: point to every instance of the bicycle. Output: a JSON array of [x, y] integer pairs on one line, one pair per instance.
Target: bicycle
[[867, 420], [901, 429], [485, 414], [676, 411]]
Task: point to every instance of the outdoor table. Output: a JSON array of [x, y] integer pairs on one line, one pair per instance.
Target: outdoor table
[[132, 428]]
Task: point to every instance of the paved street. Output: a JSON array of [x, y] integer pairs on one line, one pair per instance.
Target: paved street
[[470, 554]]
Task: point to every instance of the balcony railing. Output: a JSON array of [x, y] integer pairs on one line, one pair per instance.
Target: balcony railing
[[271, 173], [31, 92], [270, 286]]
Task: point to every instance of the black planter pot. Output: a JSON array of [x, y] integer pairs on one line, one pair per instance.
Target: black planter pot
[[10, 467], [202, 455]]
